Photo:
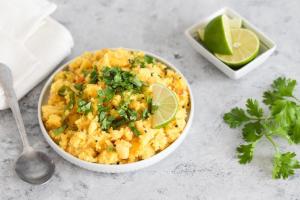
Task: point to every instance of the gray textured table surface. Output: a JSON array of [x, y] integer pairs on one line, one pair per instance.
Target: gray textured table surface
[[204, 166]]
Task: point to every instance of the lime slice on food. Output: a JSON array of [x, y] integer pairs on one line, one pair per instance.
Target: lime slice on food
[[245, 45], [217, 36], [167, 104]]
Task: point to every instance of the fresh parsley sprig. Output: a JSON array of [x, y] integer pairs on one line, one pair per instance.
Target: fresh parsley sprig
[[283, 120]]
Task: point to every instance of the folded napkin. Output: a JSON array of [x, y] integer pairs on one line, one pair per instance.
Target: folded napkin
[[32, 44]]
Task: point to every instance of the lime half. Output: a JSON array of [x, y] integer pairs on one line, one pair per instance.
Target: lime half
[[233, 23], [166, 102], [217, 36], [245, 45]]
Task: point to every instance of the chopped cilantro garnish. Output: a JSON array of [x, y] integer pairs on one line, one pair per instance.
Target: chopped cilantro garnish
[[104, 119], [78, 86], [127, 113], [71, 103], [141, 61], [151, 107], [84, 106], [106, 122], [105, 95], [149, 59], [85, 72], [111, 148], [132, 127], [145, 114], [59, 130], [119, 122], [94, 76], [63, 90], [120, 80], [117, 81]]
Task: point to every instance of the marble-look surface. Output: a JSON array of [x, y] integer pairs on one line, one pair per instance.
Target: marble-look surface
[[204, 166]]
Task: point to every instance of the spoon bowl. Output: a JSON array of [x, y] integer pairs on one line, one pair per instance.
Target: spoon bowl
[[34, 167]]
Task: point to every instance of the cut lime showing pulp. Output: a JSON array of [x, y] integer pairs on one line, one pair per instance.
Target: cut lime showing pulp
[[201, 33], [245, 45], [235, 23], [167, 104], [217, 36]]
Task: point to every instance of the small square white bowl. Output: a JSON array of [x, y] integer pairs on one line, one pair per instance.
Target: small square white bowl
[[267, 46]]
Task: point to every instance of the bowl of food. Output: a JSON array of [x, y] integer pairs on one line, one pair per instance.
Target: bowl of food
[[115, 110]]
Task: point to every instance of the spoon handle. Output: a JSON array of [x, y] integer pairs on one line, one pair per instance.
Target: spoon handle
[[6, 82]]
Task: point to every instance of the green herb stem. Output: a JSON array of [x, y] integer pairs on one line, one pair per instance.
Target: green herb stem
[[272, 142]]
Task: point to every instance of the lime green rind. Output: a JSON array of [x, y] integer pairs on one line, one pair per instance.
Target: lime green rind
[[165, 122], [168, 121], [239, 64], [215, 38]]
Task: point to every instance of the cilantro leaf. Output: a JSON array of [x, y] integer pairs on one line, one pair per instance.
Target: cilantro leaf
[[253, 108], [66, 91], [84, 106], [285, 165], [295, 132], [105, 95], [119, 122], [252, 131], [127, 113], [281, 88], [71, 103], [284, 112], [236, 117], [59, 130], [245, 153], [135, 131], [78, 86], [269, 97], [271, 127], [94, 76], [63, 91], [106, 122], [141, 61], [145, 114], [149, 59], [283, 121], [120, 80], [103, 117], [284, 87]]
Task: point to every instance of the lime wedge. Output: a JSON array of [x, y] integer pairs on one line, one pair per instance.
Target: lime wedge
[[233, 23], [201, 33], [245, 46], [167, 104], [217, 36]]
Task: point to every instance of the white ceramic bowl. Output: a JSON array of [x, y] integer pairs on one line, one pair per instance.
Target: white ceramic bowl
[[113, 168], [267, 46]]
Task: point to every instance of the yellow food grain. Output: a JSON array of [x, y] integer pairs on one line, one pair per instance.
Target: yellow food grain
[[83, 136]]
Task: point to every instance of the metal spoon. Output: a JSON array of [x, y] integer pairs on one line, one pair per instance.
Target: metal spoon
[[32, 166]]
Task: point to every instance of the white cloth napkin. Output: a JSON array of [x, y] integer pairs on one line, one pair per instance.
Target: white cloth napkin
[[32, 44]]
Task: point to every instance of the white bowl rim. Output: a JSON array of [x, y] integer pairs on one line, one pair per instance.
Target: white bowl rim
[[121, 167]]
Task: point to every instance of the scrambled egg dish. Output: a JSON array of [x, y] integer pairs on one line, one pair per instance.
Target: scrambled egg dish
[[100, 107]]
